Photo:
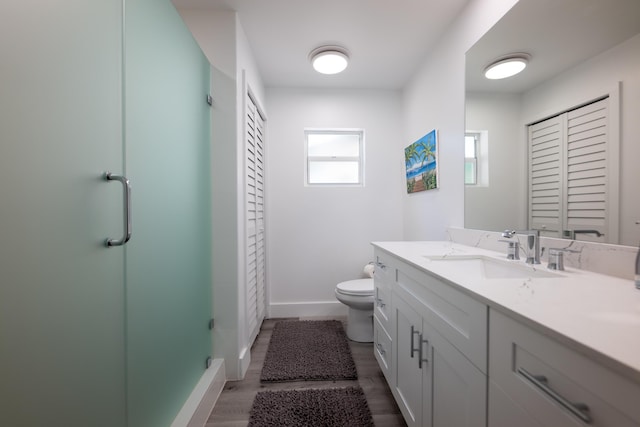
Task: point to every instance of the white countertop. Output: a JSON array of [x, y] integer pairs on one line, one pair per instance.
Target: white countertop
[[594, 314]]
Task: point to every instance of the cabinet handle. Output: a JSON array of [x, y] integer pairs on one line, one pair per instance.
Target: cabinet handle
[[380, 349], [380, 265], [421, 359], [580, 410], [413, 333], [380, 303], [126, 186]]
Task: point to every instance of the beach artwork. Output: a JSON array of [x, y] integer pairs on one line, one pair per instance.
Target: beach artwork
[[421, 160]]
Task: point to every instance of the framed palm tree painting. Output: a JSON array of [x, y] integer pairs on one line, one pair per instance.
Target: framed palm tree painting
[[421, 160]]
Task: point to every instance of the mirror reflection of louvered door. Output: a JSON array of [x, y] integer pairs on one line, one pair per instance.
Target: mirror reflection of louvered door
[[569, 174], [255, 235], [546, 169]]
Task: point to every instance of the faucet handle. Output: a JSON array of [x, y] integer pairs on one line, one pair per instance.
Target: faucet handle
[[508, 233]]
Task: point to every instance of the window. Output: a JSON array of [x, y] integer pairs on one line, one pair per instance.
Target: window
[[471, 143], [476, 158], [334, 157]]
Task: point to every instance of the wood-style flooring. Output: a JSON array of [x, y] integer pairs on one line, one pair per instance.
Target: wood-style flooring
[[233, 405]]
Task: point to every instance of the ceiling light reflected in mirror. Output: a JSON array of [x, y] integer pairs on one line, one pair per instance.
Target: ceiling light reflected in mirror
[[507, 66]]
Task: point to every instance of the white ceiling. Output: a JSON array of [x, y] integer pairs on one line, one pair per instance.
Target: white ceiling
[[557, 34], [387, 39]]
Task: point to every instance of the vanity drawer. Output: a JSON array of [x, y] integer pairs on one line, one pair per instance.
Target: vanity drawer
[[384, 272], [504, 412], [382, 348], [554, 384], [383, 279], [456, 316], [382, 306]]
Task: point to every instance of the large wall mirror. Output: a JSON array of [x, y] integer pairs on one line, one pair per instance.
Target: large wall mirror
[[581, 51]]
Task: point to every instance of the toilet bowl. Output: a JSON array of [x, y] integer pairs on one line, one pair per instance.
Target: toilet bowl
[[358, 296]]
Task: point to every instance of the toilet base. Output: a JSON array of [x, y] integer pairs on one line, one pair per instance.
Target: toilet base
[[360, 325]]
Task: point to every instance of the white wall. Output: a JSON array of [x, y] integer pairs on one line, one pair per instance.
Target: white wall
[[502, 203], [214, 30], [435, 98], [318, 237], [587, 81]]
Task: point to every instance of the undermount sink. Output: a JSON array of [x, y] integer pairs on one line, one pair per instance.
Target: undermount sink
[[492, 268]]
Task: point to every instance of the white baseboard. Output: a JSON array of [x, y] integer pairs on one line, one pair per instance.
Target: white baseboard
[[197, 408], [244, 361], [307, 309]]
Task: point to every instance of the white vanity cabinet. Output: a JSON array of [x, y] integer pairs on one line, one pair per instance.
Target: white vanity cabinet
[[437, 369], [435, 384], [500, 352], [537, 381]]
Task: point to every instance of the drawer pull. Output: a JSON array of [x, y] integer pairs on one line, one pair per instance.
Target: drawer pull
[[380, 265], [380, 303], [380, 349], [580, 410], [413, 333]]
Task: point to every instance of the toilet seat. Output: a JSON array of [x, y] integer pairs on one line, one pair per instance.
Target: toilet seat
[[358, 287]]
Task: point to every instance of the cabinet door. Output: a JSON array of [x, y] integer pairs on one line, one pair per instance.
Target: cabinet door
[[407, 375], [455, 390], [61, 289]]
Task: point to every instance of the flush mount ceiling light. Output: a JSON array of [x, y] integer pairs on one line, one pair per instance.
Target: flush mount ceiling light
[[329, 59], [507, 66]]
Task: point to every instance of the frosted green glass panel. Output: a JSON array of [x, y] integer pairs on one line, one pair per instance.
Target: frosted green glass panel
[[61, 290], [168, 274]]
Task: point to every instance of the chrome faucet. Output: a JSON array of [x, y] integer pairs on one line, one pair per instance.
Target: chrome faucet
[[533, 243]]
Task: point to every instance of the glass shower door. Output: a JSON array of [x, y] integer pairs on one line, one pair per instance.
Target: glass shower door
[[168, 273], [61, 289]]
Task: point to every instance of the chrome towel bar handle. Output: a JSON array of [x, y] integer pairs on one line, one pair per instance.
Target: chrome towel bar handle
[[580, 410], [423, 357], [126, 186], [414, 332]]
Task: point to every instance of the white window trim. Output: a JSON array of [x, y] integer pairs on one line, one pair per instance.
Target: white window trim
[[360, 159], [482, 158], [474, 160]]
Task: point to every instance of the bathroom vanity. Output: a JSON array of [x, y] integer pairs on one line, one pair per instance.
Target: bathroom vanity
[[466, 337]]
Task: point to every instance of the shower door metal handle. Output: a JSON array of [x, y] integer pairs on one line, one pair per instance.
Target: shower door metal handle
[[126, 186]]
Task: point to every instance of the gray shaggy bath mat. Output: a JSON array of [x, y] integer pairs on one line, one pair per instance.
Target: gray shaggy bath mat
[[337, 407], [311, 350]]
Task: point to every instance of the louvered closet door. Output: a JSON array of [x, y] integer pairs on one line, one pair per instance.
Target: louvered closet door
[[255, 237], [569, 188], [545, 176], [587, 170]]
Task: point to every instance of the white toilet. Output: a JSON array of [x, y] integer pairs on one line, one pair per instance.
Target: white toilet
[[358, 295]]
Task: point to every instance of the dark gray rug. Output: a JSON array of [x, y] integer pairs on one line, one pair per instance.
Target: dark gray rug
[[336, 407], [310, 350]]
